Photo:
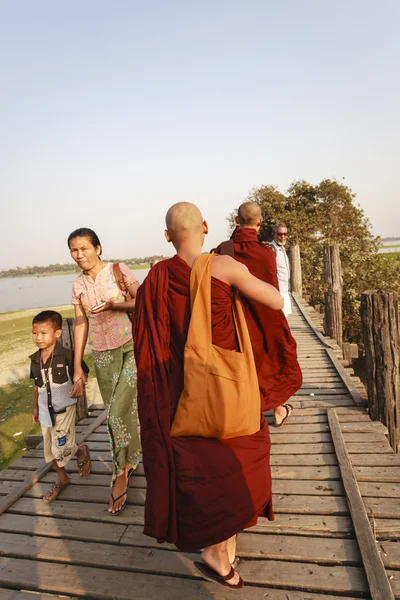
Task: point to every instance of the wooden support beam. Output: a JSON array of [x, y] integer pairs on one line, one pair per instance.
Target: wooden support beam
[[333, 284], [296, 283], [374, 569], [380, 327]]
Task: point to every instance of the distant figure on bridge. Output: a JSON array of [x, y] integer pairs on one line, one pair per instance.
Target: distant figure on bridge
[[274, 347], [55, 397], [201, 490], [278, 243], [101, 307]]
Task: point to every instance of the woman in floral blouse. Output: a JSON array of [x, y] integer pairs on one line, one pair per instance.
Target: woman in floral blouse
[[110, 337]]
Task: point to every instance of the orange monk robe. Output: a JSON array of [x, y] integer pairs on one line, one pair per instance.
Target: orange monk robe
[[274, 348], [199, 491]]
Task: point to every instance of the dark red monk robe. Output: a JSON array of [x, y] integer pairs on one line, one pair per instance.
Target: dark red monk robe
[[199, 491], [274, 348]]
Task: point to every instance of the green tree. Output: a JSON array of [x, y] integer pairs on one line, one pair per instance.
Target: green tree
[[327, 214]]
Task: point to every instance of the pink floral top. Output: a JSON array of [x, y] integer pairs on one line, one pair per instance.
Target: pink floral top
[[109, 329]]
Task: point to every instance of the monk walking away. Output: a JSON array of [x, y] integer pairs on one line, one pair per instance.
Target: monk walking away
[[205, 483], [55, 397], [274, 348]]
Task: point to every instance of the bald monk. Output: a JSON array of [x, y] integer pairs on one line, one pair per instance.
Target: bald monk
[[200, 491], [274, 347]]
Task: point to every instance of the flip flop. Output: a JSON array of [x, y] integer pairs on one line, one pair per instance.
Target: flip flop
[[114, 500], [211, 575], [84, 462], [54, 486], [288, 413]]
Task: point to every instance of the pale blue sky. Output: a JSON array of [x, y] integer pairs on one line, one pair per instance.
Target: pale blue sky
[[112, 111]]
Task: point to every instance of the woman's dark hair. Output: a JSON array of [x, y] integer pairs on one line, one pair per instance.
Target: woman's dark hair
[[87, 233]]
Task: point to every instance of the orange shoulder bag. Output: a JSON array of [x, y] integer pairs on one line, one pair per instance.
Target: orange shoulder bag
[[221, 396]]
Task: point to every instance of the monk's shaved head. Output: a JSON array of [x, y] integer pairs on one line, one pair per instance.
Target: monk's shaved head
[[184, 221], [249, 214]]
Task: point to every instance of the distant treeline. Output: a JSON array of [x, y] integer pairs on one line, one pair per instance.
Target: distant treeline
[[390, 239], [67, 268]]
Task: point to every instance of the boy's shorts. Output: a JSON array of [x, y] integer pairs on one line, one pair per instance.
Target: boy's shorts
[[59, 441]]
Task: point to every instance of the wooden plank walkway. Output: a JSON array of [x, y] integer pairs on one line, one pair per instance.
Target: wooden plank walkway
[[74, 548]]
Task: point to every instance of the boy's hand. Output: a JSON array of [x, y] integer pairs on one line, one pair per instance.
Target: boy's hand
[[77, 389], [35, 414]]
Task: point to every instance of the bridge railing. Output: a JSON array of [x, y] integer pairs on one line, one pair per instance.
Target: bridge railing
[[379, 313]]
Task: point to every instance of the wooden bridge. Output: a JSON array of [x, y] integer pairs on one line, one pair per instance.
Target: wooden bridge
[[331, 468]]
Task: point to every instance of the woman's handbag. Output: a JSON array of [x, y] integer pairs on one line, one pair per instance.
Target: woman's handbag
[[119, 278], [221, 396]]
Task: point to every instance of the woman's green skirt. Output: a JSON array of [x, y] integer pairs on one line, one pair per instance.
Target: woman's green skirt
[[116, 375]]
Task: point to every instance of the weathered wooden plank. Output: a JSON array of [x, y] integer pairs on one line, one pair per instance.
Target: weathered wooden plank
[[302, 449], [369, 448], [379, 490], [377, 579], [133, 515], [307, 525], [285, 437], [371, 460], [96, 480], [311, 488], [387, 528], [378, 474], [102, 583], [306, 473], [77, 510], [389, 552], [386, 508], [251, 545], [65, 528], [313, 460], [130, 558], [8, 500], [12, 475], [8, 594]]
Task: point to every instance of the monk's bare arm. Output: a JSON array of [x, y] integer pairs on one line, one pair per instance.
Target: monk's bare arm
[[237, 275]]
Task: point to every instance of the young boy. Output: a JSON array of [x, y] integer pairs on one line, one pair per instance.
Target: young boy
[[55, 398]]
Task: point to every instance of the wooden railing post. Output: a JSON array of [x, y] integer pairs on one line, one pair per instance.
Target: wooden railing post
[[380, 327], [296, 283], [68, 341], [333, 284]]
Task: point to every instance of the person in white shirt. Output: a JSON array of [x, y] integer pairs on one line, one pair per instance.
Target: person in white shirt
[[282, 262]]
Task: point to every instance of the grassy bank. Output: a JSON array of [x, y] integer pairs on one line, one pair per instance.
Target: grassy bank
[[16, 402], [16, 335]]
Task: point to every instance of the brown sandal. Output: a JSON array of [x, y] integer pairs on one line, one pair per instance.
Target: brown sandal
[[56, 488], [211, 575], [84, 462], [289, 410]]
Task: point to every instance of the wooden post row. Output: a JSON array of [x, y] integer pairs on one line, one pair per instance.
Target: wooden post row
[[296, 283], [380, 327], [68, 341], [333, 286]]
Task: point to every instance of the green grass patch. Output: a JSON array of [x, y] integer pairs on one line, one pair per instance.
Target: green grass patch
[[392, 256], [16, 334], [390, 246], [139, 267], [16, 402]]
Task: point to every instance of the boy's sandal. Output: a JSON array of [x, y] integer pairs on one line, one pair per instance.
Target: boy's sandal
[[211, 575], [289, 410], [53, 493], [84, 462]]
